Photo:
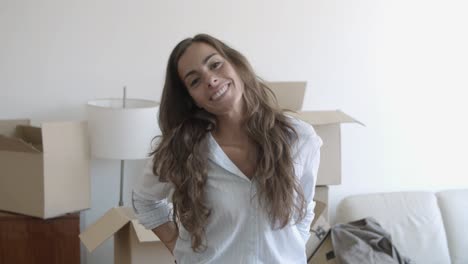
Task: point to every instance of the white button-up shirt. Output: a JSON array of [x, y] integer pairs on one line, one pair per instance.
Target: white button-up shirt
[[238, 229]]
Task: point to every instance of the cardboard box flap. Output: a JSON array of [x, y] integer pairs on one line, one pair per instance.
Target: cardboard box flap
[[8, 127], [16, 145], [318, 211], [29, 134], [290, 95], [105, 227], [65, 138], [325, 117], [143, 234]]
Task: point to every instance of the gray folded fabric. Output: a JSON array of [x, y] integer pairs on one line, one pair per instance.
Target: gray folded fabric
[[365, 242]]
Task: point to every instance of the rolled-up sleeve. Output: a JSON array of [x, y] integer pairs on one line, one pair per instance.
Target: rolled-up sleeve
[[150, 199], [308, 182]]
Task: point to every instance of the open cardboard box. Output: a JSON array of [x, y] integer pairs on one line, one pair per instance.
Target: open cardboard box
[[290, 96], [324, 253], [318, 229], [133, 244], [319, 247], [44, 172]]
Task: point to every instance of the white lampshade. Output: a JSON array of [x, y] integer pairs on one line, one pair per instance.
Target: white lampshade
[[122, 133]]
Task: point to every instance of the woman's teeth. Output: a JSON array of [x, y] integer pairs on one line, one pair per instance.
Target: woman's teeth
[[220, 92]]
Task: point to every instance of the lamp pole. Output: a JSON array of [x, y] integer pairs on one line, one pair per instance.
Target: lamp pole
[[122, 162]]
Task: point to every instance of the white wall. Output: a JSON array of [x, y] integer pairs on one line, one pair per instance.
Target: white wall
[[398, 66]]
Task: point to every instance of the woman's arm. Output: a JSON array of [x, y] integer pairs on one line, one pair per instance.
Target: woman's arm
[[151, 206], [308, 181]]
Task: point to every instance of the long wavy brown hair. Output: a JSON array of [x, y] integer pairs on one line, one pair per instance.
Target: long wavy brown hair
[[180, 155]]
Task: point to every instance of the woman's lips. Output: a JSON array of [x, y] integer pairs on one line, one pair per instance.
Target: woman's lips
[[220, 92]]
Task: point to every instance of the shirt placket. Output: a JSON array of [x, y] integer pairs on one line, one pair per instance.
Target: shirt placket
[[254, 224]]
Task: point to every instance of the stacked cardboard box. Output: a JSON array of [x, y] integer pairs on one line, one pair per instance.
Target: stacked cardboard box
[[44, 171], [327, 124]]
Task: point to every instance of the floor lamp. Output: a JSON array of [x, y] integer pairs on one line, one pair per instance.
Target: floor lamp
[[122, 129]]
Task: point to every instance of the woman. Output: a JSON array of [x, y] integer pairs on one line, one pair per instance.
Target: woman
[[241, 173]]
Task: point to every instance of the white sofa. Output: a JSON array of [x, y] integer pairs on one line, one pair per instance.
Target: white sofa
[[429, 228]]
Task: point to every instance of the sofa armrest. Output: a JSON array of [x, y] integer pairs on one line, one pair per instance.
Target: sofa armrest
[[454, 207]]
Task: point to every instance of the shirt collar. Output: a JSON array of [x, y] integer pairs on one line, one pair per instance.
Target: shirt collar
[[219, 157]]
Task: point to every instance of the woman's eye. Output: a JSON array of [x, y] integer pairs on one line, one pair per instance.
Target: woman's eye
[[194, 82], [215, 65]]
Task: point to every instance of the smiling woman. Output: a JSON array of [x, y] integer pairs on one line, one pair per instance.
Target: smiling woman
[[241, 173]]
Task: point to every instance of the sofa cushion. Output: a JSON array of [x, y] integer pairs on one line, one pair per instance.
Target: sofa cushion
[[454, 207], [413, 220]]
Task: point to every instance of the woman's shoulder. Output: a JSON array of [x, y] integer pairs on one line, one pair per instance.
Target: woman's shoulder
[[303, 129], [307, 137]]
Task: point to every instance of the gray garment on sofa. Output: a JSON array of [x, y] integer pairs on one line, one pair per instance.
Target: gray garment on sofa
[[364, 241]]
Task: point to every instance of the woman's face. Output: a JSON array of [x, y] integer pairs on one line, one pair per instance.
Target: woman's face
[[211, 80]]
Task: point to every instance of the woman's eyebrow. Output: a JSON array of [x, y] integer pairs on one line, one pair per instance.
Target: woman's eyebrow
[[205, 60]]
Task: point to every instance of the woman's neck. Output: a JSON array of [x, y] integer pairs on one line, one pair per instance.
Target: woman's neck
[[230, 129]]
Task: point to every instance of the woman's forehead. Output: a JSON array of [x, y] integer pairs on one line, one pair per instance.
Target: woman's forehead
[[195, 56]]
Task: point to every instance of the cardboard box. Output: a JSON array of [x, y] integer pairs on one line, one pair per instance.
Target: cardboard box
[[321, 195], [327, 126], [319, 247], [324, 254], [318, 229], [290, 96], [132, 242], [44, 171]]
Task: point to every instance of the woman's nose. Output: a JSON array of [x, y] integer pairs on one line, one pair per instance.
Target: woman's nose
[[213, 80]]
